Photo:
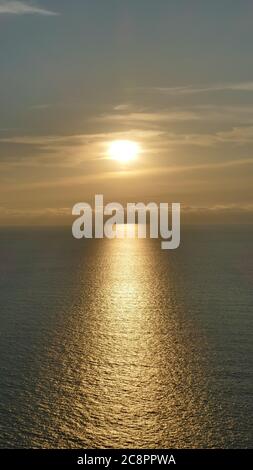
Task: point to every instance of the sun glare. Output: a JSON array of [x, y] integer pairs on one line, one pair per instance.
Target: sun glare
[[123, 151]]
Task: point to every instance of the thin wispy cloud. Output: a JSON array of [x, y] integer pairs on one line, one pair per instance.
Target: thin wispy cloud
[[148, 117], [77, 138], [40, 107], [192, 90], [23, 8], [235, 136], [151, 171], [122, 107], [28, 212], [144, 117], [71, 150], [239, 136]]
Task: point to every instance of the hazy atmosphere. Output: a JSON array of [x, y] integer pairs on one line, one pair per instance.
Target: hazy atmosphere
[[177, 80]]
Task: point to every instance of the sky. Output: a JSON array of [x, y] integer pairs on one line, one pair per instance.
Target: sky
[[176, 77]]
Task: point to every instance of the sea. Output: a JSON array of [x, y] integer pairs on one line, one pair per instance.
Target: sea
[[120, 344]]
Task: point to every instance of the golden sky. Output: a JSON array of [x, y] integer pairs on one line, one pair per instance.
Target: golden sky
[[176, 79]]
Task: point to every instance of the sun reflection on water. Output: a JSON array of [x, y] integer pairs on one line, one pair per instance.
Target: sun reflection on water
[[133, 369]]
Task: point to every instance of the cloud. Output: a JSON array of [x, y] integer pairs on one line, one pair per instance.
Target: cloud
[[221, 208], [122, 107], [40, 107], [148, 117], [192, 90], [224, 113], [236, 136], [235, 115], [28, 212], [58, 216], [66, 150], [22, 8], [102, 175], [71, 150], [78, 139]]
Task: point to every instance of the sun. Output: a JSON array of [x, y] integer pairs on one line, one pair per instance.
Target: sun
[[124, 151]]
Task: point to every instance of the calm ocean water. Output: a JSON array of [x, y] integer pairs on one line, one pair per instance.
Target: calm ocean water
[[120, 344]]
